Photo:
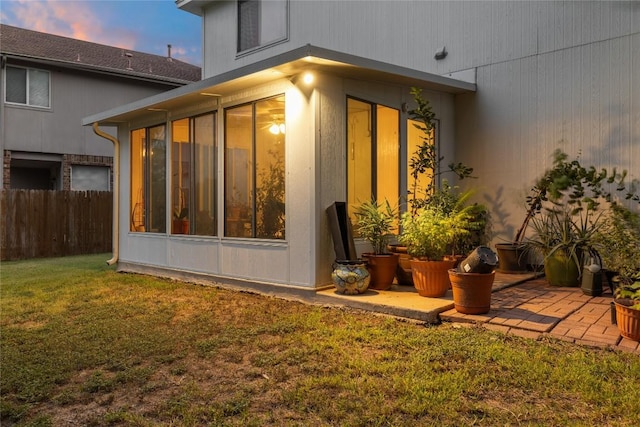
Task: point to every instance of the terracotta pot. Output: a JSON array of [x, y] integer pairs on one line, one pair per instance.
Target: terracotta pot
[[431, 278], [403, 270], [628, 320], [471, 291], [382, 269]]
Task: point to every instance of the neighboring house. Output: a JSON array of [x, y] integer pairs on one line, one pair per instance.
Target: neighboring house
[[49, 83], [304, 103]]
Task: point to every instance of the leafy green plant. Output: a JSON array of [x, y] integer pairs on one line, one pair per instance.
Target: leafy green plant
[[620, 236], [579, 187], [431, 232], [270, 201], [562, 230], [629, 290], [375, 223], [426, 160]]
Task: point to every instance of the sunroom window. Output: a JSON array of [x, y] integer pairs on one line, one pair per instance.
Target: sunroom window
[[373, 158], [374, 161], [27, 86], [148, 180], [193, 177], [255, 169]]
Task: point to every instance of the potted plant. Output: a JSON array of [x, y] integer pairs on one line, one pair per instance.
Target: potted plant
[[565, 238], [619, 234], [627, 303], [566, 182], [472, 281], [375, 223], [428, 234], [425, 166]]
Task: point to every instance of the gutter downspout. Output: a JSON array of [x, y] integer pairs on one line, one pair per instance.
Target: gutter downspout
[[116, 191]]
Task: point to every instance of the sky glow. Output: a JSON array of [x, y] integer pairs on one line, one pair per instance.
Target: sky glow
[[142, 25]]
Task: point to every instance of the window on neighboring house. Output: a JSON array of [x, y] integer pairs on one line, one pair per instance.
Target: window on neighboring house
[[255, 169], [96, 178], [193, 177], [373, 162], [261, 23], [148, 179], [27, 86]]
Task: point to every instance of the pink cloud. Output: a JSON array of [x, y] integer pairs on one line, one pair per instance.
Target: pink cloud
[[68, 18]]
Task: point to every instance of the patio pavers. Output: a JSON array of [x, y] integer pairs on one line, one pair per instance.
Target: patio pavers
[[534, 309], [522, 305]]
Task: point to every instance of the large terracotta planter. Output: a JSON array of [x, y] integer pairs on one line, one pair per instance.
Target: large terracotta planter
[[382, 269], [471, 291], [628, 321], [560, 270], [431, 278]]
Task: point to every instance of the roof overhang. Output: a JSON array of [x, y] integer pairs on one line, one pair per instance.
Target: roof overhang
[[132, 75], [285, 65]]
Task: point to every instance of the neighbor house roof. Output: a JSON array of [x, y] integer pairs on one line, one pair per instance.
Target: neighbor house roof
[[20, 43]]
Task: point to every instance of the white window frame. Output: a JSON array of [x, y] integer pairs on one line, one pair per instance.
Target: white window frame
[[27, 104]]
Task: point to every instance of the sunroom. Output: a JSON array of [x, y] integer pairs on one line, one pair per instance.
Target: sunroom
[[228, 179]]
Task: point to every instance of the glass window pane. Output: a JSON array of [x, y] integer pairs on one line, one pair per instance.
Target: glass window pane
[[16, 79], [248, 24], [270, 174], [205, 177], [387, 154], [238, 171], [180, 176], [39, 88], [138, 138], [359, 160], [273, 21], [157, 157], [90, 178]]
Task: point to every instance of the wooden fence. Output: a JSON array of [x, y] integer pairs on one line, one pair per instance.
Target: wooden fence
[[40, 223]]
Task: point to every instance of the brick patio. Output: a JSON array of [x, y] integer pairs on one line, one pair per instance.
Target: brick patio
[[534, 309]]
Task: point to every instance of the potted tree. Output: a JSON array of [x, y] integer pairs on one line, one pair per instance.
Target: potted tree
[[566, 182], [428, 234], [375, 223], [425, 167]]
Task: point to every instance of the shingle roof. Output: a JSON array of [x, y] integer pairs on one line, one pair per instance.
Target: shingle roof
[[19, 42]]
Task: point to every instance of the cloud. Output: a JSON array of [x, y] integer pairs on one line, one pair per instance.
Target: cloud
[[70, 18]]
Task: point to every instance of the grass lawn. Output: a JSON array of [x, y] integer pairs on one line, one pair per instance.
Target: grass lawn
[[84, 345]]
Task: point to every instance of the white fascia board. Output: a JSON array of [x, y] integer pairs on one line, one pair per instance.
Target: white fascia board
[[287, 64]]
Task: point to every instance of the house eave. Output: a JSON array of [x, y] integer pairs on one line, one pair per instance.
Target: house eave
[[285, 65], [97, 69]]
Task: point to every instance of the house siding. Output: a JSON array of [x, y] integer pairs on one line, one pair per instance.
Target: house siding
[[545, 72]]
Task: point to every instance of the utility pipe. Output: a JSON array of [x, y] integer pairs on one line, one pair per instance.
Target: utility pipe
[[116, 191]]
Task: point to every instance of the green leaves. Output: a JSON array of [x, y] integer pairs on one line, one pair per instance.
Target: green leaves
[[375, 223]]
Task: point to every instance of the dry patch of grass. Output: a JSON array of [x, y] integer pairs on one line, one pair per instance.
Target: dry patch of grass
[[83, 345]]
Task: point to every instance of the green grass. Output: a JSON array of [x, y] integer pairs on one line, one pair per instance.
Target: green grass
[[84, 345]]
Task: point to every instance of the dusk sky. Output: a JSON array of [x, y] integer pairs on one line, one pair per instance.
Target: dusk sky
[[142, 25]]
